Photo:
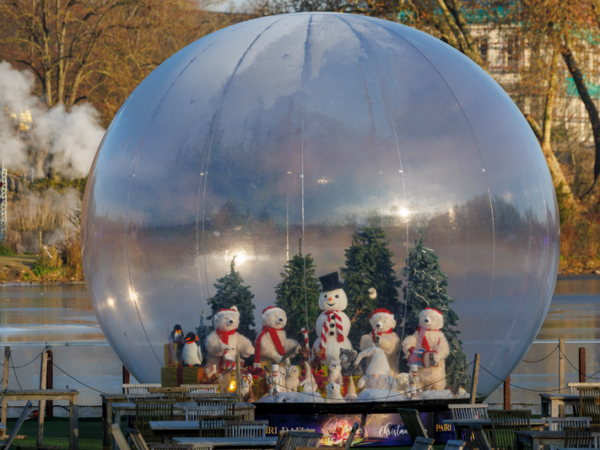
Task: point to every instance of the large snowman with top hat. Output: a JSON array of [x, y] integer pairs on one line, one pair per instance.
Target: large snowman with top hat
[[333, 325]]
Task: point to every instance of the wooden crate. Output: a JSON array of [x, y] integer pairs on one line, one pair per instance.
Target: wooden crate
[[176, 376]]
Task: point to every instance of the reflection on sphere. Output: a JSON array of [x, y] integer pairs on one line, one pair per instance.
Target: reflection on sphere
[[313, 126]]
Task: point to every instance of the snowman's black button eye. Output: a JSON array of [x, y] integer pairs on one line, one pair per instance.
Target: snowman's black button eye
[[337, 296]]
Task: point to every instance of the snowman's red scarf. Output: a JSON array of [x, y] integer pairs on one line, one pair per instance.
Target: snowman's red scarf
[[224, 335], [273, 333], [379, 333], [339, 328]]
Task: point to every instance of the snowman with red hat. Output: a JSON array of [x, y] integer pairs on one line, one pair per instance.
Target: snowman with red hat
[[383, 324], [428, 348], [333, 325], [272, 345]]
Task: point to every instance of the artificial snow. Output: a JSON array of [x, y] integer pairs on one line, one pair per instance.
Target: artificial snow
[[293, 397], [435, 395], [371, 395]]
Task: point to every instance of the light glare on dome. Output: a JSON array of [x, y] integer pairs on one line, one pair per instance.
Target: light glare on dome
[[250, 150]]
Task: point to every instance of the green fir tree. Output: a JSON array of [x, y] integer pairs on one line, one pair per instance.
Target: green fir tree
[[230, 292], [299, 301], [427, 287], [369, 265]]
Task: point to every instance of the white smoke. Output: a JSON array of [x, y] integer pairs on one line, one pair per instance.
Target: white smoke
[[71, 137]]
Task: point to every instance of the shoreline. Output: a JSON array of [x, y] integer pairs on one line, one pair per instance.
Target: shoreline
[[581, 276], [42, 283]]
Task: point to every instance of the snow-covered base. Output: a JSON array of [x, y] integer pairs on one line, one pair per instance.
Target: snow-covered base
[[372, 395], [436, 395], [367, 395], [293, 397]]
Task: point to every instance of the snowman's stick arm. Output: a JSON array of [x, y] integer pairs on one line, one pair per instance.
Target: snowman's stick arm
[[357, 313]]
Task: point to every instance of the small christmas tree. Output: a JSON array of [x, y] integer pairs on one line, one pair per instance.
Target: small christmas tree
[[426, 287], [230, 292], [299, 300], [369, 265]]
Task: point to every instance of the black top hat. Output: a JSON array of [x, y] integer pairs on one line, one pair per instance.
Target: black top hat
[[330, 282]]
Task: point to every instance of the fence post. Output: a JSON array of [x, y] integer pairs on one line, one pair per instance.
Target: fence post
[[5, 381], [582, 376], [50, 383], [475, 379], [42, 404], [561, 373], [507, 393], [126, 376], [238, 376]]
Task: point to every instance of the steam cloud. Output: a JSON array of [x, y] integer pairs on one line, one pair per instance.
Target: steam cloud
[[71, 137]]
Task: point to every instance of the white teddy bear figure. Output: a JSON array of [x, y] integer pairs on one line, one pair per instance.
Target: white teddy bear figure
[[403, 382], [334, 393], [224, 343], [335, 372], [431, 340], [272, 344], [292, 379], [333, 325], [383, 324]]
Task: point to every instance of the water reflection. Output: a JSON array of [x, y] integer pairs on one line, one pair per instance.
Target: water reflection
[[30, 316], [574, 312], [47, 313], [63, 315]]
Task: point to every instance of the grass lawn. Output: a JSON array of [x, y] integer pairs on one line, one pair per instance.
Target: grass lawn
[[56, 432], [22, 261]]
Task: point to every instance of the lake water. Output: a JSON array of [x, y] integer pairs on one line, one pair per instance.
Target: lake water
[[31, 316]]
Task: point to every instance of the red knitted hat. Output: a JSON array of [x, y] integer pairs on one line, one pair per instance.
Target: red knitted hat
[[380, 310], [268, 308], [232, 309], [436, 310]]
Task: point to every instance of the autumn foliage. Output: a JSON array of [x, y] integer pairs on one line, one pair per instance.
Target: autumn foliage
[[98, 50]]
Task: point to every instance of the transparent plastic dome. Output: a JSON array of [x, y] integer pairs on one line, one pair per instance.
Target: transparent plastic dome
[[313, 125]]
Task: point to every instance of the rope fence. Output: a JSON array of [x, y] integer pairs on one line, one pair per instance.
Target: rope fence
[[391, 393]]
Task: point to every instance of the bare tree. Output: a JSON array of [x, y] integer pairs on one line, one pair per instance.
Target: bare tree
[[97, 50]]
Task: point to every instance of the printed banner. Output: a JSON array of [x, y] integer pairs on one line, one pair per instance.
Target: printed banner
[[375, 430]]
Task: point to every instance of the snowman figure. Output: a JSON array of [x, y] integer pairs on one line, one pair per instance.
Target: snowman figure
[[333, 325]]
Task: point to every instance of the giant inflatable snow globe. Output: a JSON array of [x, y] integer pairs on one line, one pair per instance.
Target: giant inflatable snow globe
[[345, 206]]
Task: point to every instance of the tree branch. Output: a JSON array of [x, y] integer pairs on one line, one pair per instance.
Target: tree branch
[[474, 54], [358, 311], [453, 26], [585, 97], [535, 128]]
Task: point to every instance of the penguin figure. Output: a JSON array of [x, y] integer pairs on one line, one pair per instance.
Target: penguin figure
[[177, 338], [177, 335], [192, 355]]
